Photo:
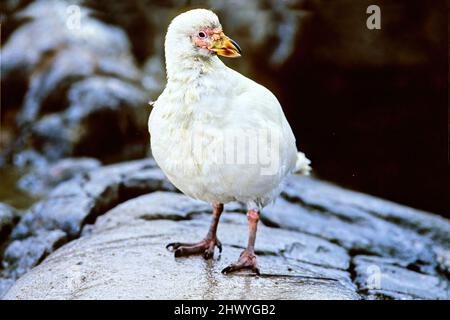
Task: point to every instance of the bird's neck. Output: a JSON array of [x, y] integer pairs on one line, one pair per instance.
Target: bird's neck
[[190, 68]]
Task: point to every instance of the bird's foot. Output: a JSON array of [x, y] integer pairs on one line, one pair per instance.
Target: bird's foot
[[205, 247], [247, 260]]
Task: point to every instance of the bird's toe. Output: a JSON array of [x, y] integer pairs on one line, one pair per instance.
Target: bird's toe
[[208, 254], [171, 246], [229, 269], [178, 253], [247, 261], [219, 245], [204, 247], [175, 245]]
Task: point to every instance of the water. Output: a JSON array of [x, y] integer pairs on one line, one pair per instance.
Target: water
[[10, 193]]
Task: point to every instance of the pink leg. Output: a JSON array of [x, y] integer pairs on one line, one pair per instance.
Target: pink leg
[[206, 246], [247, 259]]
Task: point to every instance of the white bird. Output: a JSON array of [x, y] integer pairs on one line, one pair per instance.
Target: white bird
[[217, 135]]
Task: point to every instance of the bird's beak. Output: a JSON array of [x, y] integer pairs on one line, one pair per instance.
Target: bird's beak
[[226, 47]]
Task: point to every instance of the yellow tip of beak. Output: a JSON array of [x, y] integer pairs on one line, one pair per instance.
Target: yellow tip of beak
[[226, 47]]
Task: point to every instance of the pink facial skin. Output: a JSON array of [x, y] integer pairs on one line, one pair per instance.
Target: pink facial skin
[[211, 36]]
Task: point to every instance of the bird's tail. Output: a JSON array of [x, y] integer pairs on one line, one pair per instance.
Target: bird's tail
[[302, 165]]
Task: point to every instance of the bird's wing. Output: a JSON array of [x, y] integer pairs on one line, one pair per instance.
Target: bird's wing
[[258, 108]]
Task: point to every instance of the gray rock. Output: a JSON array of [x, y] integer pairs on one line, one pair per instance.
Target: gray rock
[[320, 252], [135, 260], [8, 218], [44, 178], [29, 44], [22, 255], [151, 178], [29, 158], [325, 210], [327, 243], [81, 88], [104, 116], [154, 206], [5, 285], [379, 277], [443, 259], [76, 202], [354, 206], [64, 213]]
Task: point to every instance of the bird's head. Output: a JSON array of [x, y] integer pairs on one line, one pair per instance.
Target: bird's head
[[198, 32]]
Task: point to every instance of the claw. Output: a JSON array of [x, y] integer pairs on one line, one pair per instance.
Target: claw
[[175, 245], [208, 254], [227, 269], [185, 249], [247, 260], [256, 271], [219, 245], [171, 246], [178, 253]]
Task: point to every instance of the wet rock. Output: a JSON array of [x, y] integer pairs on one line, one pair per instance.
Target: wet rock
[[76, 202], [316, 241], [140, 243], [105, 114], [319, 252], [22, 255], [8, 218], [79, 90], [30, 159], [149, 179], [352, 206], [42, 179], [64, 213], [381, 278], [443, 259], [49, 88], [174, 206], [5, 284], [30, 44], [325, 210], [8, 17], [154, 206]]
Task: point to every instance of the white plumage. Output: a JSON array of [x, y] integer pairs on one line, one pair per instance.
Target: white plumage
[[205, 102], [203, 105]]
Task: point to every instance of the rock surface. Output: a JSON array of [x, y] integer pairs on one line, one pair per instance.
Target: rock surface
[[8, 218], [76, 93], [42, 179], [318, 241], [68, 208], [127, 247]]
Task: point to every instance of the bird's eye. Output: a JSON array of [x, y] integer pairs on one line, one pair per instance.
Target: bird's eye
[[201, 34]]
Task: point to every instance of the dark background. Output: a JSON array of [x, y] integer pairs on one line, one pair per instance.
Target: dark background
[[372, 107], [368, 107]]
